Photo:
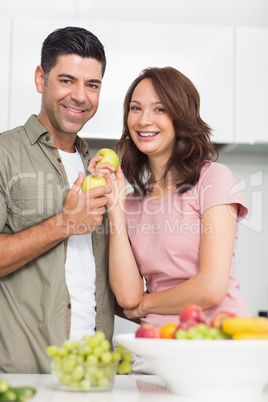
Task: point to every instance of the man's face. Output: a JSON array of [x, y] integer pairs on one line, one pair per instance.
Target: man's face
[[70, 94]]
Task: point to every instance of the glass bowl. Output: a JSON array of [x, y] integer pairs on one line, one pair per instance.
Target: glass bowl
[[84, 376]]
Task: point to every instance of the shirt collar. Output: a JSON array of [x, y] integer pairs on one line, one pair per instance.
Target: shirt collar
[[37, 132]]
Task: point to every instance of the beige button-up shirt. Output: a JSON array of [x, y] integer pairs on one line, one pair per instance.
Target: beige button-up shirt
[[34, 300]]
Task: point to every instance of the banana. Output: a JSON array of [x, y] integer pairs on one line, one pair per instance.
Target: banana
[[250, 335], [235, 325]]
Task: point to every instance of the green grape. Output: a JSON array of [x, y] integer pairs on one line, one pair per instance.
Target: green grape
[[106, 357], [3, 386], [84, 350], [91, 371], [78, 373], [8, 395], [92, 359], [97, 351], [106, 345], [68, 365], [120, 349], [124, 368], [80, 359], [86, 339], [116, 357], [68, 345], [127, 357], [181, 334], [72, 357], [191, 333], [213, 333], [99, 373], [100, 336], [62, 352], [93, 342], [52, 350], [202, 328]]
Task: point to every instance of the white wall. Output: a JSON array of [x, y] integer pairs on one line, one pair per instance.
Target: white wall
[[250, 169], [216, 12]]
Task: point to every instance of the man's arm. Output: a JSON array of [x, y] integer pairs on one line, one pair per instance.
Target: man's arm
[[80, 211]]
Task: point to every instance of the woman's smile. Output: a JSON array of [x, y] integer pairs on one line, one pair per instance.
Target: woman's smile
[[150, 127]]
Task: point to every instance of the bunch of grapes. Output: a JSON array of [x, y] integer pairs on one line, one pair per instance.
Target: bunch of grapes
[[88, 364], [200, 331]]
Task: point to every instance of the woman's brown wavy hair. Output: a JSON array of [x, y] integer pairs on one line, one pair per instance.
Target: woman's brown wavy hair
[[192, 148]]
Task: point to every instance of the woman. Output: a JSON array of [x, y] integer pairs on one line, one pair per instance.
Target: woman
[[177, 231]]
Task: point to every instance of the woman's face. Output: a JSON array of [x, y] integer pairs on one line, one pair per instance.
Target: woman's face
[[150, 126]]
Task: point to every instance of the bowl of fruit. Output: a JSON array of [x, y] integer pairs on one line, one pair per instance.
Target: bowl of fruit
[[89, 365], [226, 357]]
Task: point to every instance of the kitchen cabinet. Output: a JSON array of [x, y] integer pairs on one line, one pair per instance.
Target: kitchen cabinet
[[205, 54], [251, 100], [27, 39], [5, 46]]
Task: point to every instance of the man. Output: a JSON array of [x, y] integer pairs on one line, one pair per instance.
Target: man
[[53, 262]]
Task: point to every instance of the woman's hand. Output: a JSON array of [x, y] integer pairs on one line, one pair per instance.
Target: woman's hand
[[104, 169], [136, 312], [116, 181], [119, 191]]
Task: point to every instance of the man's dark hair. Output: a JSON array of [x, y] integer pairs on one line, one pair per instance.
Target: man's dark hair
[[71, 40]]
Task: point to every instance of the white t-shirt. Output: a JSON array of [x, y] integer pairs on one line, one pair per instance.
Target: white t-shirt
[[80, 265]]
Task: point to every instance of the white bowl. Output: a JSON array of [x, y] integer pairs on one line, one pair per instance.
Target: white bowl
[[205, 367]]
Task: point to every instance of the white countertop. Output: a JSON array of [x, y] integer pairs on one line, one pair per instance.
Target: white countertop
[[127, 388]]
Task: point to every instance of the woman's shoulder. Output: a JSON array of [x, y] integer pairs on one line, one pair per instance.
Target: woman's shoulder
[[215, 170], [217, 167]]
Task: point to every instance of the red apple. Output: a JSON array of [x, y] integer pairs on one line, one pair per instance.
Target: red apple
[[192, 313], [147, 331], [218, 319]]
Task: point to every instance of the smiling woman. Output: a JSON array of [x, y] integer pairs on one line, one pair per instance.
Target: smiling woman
[[178, 228], [150, 126]]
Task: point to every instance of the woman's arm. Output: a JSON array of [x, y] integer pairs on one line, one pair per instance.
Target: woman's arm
[[125, 278], [210, 285]]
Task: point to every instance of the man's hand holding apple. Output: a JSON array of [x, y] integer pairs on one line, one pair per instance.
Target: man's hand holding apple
[[106, 166], [82, 211]]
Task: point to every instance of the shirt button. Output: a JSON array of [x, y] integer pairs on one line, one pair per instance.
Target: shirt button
[[47, 138], [59, 160], [69, 305]]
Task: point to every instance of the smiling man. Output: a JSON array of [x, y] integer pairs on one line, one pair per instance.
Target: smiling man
[[54, 251]]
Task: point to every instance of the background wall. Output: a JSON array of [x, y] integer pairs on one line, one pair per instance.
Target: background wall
[[248, 164], [216, 12]]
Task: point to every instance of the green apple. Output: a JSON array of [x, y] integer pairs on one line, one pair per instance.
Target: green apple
[[108, 156], [92, 181]]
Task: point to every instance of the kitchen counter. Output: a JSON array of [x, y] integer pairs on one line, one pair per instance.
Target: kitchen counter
[[127, 388]]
